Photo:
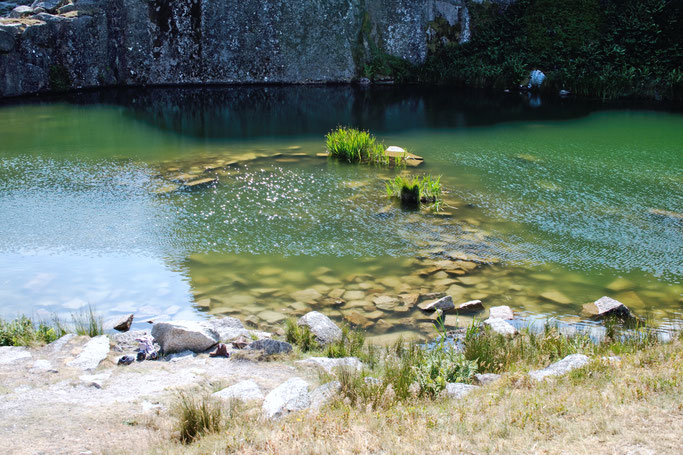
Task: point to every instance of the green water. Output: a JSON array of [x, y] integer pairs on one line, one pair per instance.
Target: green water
[[561, 199]]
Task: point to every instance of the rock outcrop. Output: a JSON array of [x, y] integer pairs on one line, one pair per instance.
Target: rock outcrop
[[91, 43], [322, 327]]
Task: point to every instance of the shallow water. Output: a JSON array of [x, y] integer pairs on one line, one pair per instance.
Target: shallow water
[[560, 196]]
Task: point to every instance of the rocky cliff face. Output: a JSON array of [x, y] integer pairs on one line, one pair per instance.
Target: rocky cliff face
[[60, 44]]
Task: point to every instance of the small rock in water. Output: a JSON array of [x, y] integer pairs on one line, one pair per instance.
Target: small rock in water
[[501, 326], [244, 391], [501, 312], [289, 396], [444, 304], [322, 327], [458, 390], [123, 324], [607, 306], [470, 307], [271, 347], [569, 363]]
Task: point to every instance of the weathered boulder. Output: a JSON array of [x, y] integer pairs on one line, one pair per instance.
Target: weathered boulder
[[10, 354], [501, 312], [324, 394], [289, 396], [607, 307], [48, 5], [500, 326], [322, 327], [458, 389], [243, 391], [569, 363], [179, 336], [271, 347], [444, 304], [227, 328], [330, 365], [92, 353], [472, 306], [486, 378], [21, 11]]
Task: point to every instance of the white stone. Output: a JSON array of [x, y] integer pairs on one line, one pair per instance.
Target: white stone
[[500, 326], [324, 394], [569, 363], [41, 365], [244, 391], [289, 396], [92, 353], [177, 336], [458, 389], [10, 354], [322, 327], [330, 365], [444, 304], [501, 312]]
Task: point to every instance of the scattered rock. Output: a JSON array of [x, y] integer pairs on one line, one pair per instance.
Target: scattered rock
[[271, 317], [444, 304], [289, 396], [354, 295], [48, 5], [271, 347], [243, 391], [569, 363], [486, 378], [21, 11], [324, 394], [179, 336], [501, 312], [322, 327], [330, 365], [6, 41], [123, 324], [500, 326], [10, 354], [385, 302], [92, 354], [458, 389], [472, 306], [607, 306], [410, 299]]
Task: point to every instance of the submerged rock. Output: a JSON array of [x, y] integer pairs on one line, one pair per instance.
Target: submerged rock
[[569, 363], [289, 396], [184, 335], [607, 307], [243, 391], [322, 327], [92, 354]]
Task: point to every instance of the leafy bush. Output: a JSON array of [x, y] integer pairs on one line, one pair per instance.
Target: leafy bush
[[24, 332]]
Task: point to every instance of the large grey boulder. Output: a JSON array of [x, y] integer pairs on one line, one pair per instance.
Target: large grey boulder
[[176, 336], [243, 391], [10, 354], [607, 307], [227, 328], [330, 365], [458, 389], [48, 5], [271, 347], [564, 366], [500, 326], [92, 354], [486, 378], [324, 394], [322, 327], [289, 396], [444, 304]]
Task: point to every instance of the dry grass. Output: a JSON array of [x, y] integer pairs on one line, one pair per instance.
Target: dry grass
[[633, 407]]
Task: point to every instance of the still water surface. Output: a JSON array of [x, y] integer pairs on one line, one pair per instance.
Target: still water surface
[[567, 196]]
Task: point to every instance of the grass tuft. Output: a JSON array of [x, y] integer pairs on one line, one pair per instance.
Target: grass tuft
[[197, 416], [355, 146], [300, 336], [87, 323], [412, 191]]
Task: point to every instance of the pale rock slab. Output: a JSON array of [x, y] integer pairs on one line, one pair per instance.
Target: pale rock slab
[[289, 396]]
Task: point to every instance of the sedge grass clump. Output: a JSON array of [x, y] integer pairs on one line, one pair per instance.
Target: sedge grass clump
[[412, 191], [197, 416], [355, 146], [351, 344], [87, 323], [300, 336]]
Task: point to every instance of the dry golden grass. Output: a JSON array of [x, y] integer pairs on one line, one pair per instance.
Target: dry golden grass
[[631, 407]]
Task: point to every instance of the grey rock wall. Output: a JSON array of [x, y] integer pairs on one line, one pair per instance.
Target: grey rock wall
[[90, 43]]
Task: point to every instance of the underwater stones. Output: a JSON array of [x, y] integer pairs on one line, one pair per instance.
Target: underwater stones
[[289, 396], [561, 367], [556, 297], [500, 326], [472, 306], [356, 318], [410, 299], [385, 302], [354, 295], [391, 282], [336, 293], [244, 391], [501, 312], [179, 336], [306, 295], [620, 284], [271, 317], [606, 307], [444, 304], [470, 280], [322, 327]]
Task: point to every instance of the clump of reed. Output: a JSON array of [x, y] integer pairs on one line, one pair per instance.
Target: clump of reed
[[355, 146], [413, 190]]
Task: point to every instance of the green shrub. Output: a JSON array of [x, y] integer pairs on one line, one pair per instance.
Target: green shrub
[[197, 416], [354, 146], [415, 190], [24, 332]]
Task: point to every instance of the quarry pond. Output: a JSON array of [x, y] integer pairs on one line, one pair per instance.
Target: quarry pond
[[185, 203]]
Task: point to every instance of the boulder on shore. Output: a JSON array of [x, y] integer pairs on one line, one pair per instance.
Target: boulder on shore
[[123, 324], [322, 327], [244, 391], [501, 312], [177, 336], [330, 365], [289, 396], [92, 353], [500, 326], [569, 363]]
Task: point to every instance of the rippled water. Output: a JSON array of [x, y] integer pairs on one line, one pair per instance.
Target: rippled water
[[562, 194]]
